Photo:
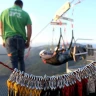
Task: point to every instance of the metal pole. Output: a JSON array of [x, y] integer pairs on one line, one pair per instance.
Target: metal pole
[[82, 39], [66, 67]]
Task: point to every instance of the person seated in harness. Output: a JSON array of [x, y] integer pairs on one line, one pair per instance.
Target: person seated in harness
[[63, 55], [59, 56]]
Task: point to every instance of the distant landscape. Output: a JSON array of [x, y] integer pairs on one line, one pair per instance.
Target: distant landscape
[[34, 64]]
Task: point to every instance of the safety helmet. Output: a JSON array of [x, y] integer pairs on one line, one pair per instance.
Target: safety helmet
[[42, 52]]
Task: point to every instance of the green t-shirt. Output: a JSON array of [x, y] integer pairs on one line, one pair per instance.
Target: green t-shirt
[[14, 20]]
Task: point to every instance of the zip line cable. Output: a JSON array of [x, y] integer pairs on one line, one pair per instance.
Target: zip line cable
[[42, 30]]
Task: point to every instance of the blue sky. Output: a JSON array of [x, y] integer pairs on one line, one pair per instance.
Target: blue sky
[[43, 11]]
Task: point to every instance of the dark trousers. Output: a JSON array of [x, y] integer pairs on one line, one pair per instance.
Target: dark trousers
[[15, 47]]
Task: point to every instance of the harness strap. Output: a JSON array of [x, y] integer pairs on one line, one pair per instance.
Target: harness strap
[[70, 46], [59, 41]]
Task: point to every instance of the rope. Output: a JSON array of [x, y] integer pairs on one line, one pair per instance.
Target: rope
[[6, 66], [41, 30], [72, 1], [26, 56]]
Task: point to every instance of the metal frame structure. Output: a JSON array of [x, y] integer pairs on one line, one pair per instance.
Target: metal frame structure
[[59, 15]]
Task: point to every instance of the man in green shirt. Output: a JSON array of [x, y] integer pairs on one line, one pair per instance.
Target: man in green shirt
[[15, 38]]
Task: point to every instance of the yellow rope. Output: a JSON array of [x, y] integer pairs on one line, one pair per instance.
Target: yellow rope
[[38, 92], [16, 87], [20, 90], [35, 92], [23, 91], [32, 91], [27, 91], [10, 85]]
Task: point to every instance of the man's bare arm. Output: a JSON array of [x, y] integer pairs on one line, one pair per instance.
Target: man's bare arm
[[29, 33]]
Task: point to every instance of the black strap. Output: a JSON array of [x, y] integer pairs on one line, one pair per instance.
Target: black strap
[[71, 41], [59, 41]]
